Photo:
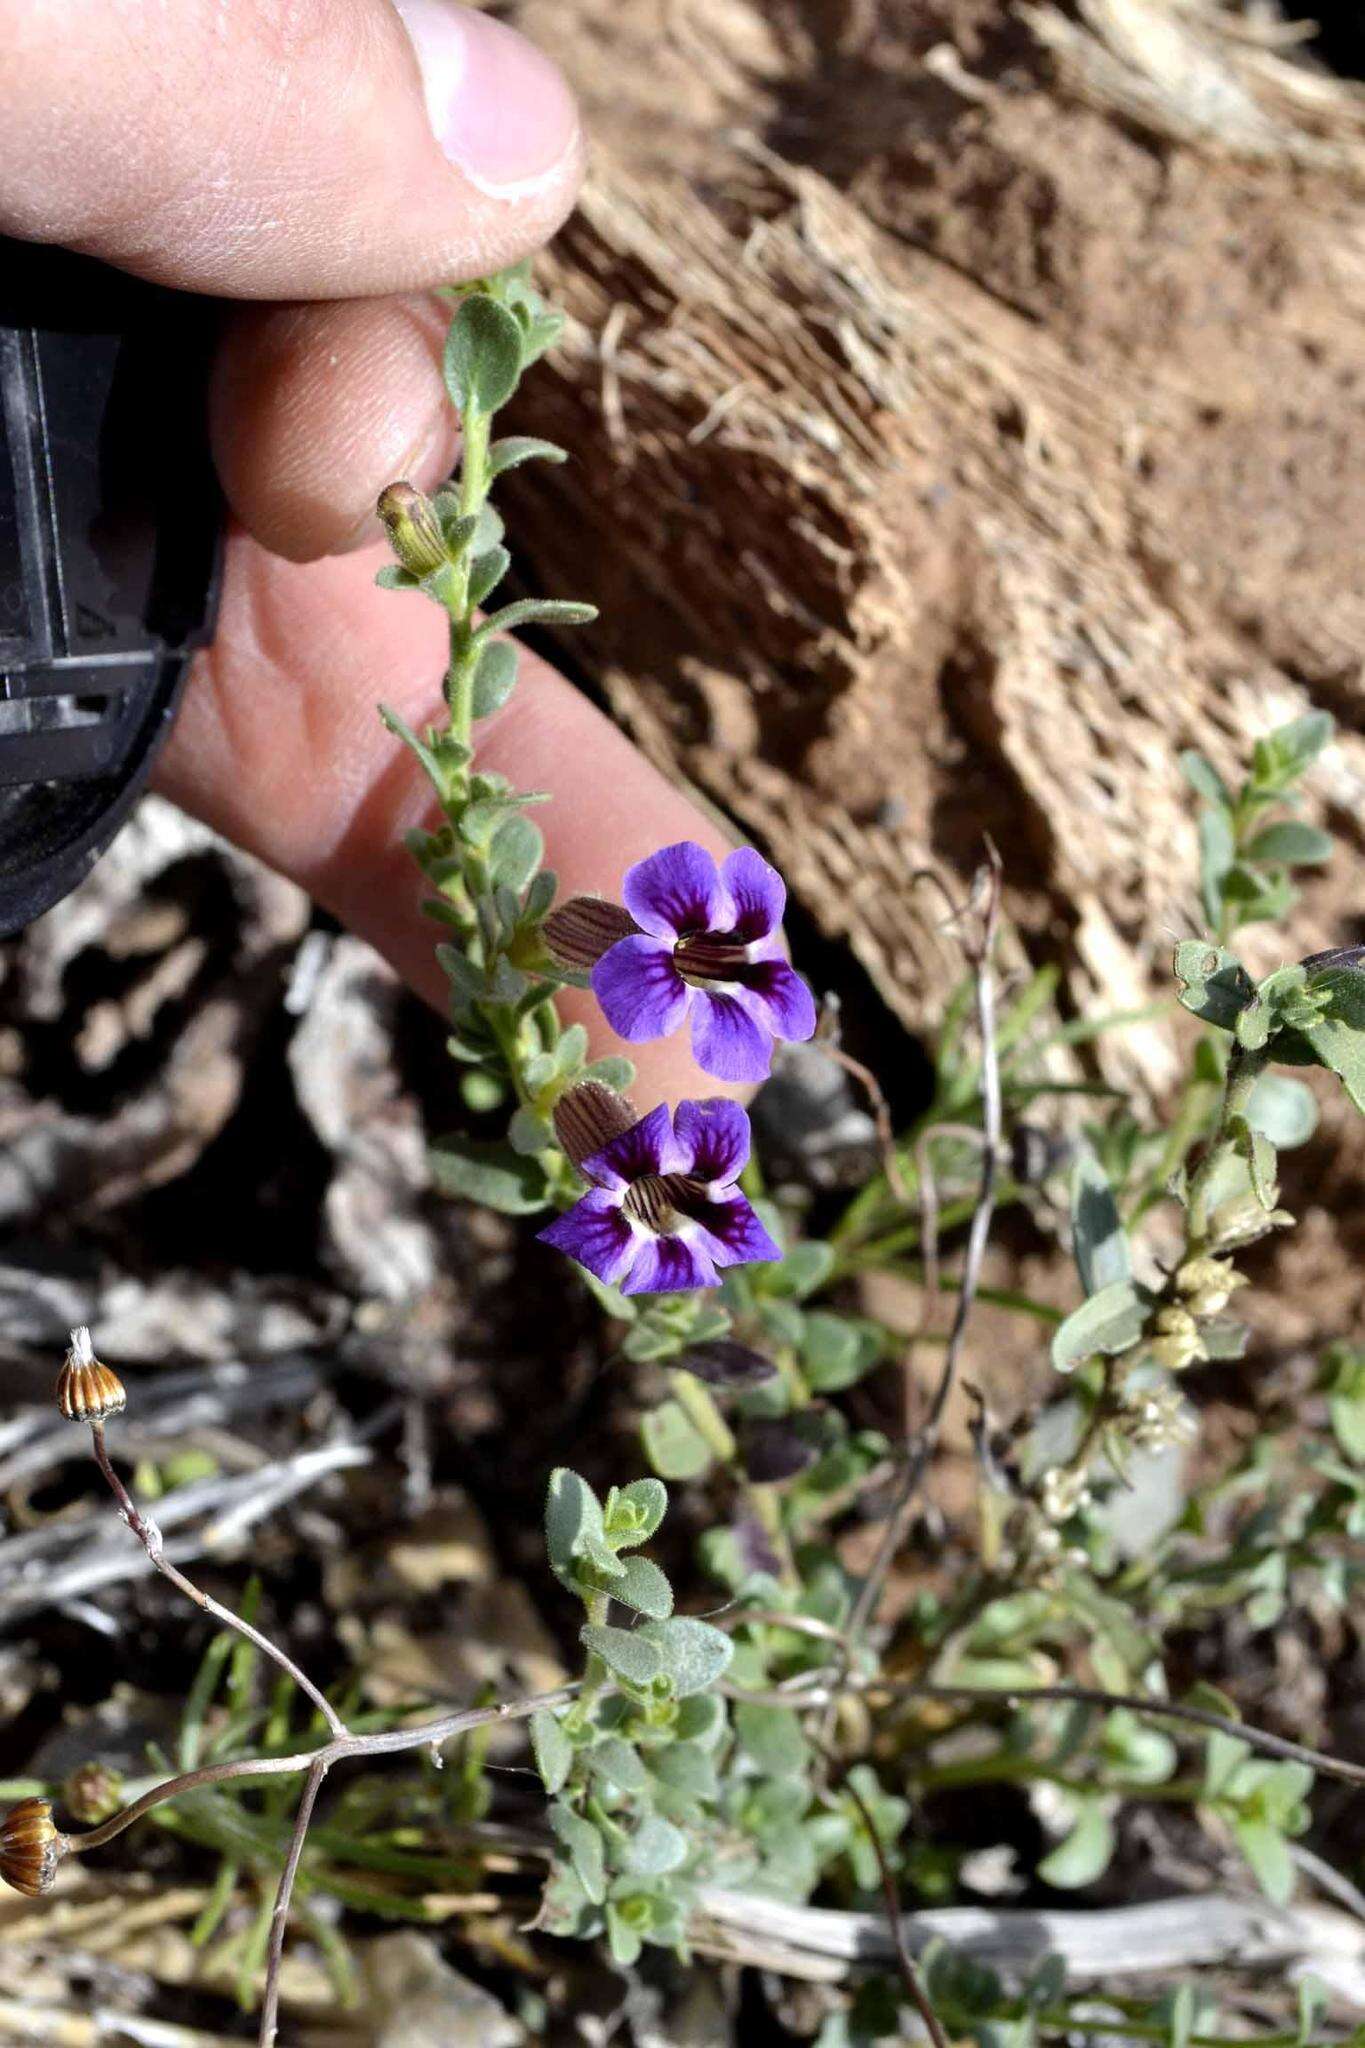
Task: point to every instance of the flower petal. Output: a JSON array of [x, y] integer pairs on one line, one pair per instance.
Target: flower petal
[[596, 1234], [671, 1265], [641, 992], [758, 892], [776, 997], [647, 1147], [713, 1136], [733, 1234], [727, 1041], [677, 890]]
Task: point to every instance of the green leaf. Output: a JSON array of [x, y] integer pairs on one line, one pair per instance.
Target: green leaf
[[628, 1653], [516, 852], [685, 1769], [674, 1446], [573, 1513], [519, 448], [634, 1512], [1107, 1323], [1338, 1036], [692, 1654], [655, 1848], [495, 677], [643, 1586], [834, 1352], [1203, 777], [1282, 756], [772, 1737], [1313, 2000], [528, 1134], [1217, 852], [488, 1171], [439, 765], [1086, 1852], [1100, 1242], [619, 1764], [584, 1845], [483, 355], [1267, 1852], [1224, 1756], [623, 1938], [486, 572], [553, 1751], [538, 611], [394, 577], [805, 1268], [1213, 983], [1291, 844], [1282, 1110]]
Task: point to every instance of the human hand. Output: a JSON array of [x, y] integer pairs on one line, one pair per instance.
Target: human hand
[[331, 160]]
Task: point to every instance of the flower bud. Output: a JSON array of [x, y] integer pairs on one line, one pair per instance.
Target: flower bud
[[580, 931], [1174, 1353], [92, 1793], [30, 1847], [589, 1116], [414, 530], [86, 1390]]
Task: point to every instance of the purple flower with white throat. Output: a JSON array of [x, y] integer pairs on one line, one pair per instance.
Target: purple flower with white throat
[[662, 1213], [708, 943]]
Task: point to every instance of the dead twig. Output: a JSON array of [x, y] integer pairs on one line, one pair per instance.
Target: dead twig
[[149, 1536]]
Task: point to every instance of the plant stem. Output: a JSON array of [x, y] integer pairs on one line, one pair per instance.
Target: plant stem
[[149, 1536], [382, 1742]]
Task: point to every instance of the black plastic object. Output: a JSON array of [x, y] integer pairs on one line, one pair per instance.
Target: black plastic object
[[110, 521]]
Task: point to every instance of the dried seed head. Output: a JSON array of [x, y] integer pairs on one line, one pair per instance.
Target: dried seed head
[[580, 931], [30, 1847], [589, 1116], [413, 528], [86, 1390], [92, 1793]]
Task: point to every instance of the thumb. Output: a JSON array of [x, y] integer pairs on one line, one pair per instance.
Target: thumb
[[268, 149]]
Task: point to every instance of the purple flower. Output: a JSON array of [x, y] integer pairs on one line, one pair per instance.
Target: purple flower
[[709, 944], [663, 1213]]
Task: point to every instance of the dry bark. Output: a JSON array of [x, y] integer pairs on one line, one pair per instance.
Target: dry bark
[[966, 412]]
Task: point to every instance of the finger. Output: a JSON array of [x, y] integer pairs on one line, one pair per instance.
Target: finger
[[269, 150], [279, 747], [316, 408]]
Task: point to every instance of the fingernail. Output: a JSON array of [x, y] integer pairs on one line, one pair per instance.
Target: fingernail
[[498, 107]]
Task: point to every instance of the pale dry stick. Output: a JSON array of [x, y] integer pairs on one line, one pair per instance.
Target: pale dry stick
[[149, 1536], [921, 1449], [929, 1208], [270, 2004]]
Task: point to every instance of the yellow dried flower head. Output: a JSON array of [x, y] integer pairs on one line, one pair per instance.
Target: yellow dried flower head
[[30, 1847], [86, 1390]]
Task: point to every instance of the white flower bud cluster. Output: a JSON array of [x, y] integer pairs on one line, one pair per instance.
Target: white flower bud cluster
[[1159, 1419], [1207, 1285], [1177, 1342], [1064, 1494]]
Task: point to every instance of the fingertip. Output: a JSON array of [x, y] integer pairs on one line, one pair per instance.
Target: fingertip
[[315, 408]]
